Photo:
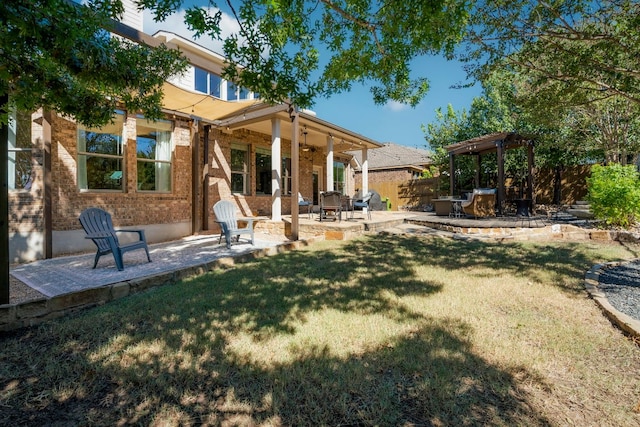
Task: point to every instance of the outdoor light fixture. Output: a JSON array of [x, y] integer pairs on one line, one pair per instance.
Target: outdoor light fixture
[[305, 147]]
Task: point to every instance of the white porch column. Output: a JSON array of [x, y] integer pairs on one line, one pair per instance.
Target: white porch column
[[276, 171], [330, 163], [365, 170], [295, 173]]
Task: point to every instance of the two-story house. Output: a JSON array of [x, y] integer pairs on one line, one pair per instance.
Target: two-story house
[[216, 141]]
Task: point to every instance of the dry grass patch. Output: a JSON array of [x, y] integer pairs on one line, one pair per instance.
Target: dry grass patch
[[384, 330]]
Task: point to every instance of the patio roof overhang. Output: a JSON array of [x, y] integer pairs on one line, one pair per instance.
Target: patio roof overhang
[[488, 143], [258, 118]]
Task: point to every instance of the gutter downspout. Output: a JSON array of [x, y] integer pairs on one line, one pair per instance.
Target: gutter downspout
[[195, 180], [205, 180]]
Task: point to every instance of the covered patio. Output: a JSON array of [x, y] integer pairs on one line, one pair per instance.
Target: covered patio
[[496, 142]]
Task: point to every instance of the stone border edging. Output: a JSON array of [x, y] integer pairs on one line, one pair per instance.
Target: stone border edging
[[32, 313], [623, 321]]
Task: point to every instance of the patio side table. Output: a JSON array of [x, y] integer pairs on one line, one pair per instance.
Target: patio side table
[[523, 207]]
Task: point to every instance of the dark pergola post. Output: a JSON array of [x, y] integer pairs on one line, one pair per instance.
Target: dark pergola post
[[205, 179], [478, 171], [531, 194], [452, 175], [196, 224], [501, 195]]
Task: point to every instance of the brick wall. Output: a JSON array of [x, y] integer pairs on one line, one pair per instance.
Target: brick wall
[[219, 186], [26, 205], [129, 207]]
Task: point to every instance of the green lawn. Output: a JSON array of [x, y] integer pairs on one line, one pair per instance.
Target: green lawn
[[381, 330]]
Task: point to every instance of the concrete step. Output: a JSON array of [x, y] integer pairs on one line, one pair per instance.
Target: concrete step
[[581, 213]]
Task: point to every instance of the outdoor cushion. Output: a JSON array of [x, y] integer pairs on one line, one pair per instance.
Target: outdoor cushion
[[482, 203]]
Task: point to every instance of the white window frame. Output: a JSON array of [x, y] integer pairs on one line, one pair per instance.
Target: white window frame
[[119, 174], [162, 155], [15, 134], [244, 171]]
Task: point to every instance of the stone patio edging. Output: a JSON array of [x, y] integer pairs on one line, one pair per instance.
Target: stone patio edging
[[32, 313], [623, 321]]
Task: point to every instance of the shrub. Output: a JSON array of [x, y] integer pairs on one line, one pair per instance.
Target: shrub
[[614, 194]]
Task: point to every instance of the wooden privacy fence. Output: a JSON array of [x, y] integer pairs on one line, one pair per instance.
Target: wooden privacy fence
[[408, 195], [569, 184]]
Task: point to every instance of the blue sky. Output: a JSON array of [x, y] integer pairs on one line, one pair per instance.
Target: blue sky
[[395, 122], [356, 110]]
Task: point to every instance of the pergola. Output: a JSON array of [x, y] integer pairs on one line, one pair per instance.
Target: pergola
[[495, 142]]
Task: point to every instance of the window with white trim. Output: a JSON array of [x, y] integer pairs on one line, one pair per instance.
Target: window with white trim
[[20, 146], [263, 171], [207, 82], [154, 153], [101, 156], [339, 177], [239, 168], [286, 175]]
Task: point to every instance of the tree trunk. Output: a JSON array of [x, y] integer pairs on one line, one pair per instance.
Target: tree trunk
[[557, 185]]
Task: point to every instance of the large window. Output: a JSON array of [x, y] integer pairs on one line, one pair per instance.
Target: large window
[[286, 175], [239, 168], [263, 171], [213, 84], [100, 156], [154, 152], [339, 177], [208, 83], [20, 166]]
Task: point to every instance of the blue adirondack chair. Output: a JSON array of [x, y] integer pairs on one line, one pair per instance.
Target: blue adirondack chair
[[99, 228]]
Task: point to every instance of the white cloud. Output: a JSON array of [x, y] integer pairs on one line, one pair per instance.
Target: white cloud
[[395, 106]]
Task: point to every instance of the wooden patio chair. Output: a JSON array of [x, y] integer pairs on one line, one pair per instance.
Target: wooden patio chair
[[225, 213], [97, 224], [331, 205]]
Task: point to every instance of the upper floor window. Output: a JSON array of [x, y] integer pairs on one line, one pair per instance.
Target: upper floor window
[[100, 156], [154, 153], [215, 85], [20, 166], [208, 83], [239, 168], [235, 93]]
